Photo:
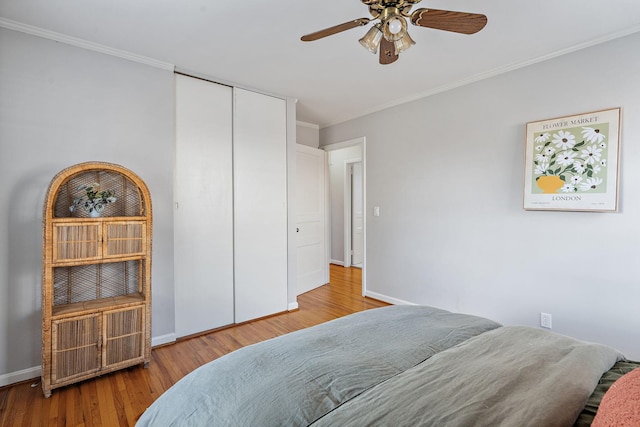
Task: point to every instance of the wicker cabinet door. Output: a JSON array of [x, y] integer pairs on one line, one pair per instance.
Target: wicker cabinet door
[[124, 337], [75, 347], [76, 241], [124, 238]]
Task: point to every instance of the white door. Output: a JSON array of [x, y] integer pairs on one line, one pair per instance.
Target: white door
[[260, 204], [357, 216], [203, 217], [310, 219]]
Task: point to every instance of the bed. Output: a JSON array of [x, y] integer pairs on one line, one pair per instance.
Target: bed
[[400, 366]]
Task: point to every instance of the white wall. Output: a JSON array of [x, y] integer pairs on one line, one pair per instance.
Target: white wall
[[449, 182], [61, 105]]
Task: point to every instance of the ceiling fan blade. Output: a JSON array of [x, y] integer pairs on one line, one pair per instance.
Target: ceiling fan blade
[[458, 22], [335, 29], [387, 52]]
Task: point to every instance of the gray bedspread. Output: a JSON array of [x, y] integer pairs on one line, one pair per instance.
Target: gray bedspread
[[508, 377], [297, 378], [394, 366]]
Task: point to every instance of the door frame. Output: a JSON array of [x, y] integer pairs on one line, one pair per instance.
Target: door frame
[[362, 142]]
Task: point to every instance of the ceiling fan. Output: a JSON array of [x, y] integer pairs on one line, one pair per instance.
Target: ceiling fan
[[390, 34]]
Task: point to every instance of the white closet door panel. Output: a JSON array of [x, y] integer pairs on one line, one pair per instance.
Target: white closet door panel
[[203, 240], [260, 205]]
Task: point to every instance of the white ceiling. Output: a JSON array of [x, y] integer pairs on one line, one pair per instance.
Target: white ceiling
[[256, 43]]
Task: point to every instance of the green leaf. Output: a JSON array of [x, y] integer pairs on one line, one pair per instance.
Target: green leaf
[[590, 173], [562, 177], [580, 144], [557, 171]]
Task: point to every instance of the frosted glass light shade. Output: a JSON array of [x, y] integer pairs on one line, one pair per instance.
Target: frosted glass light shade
[[404, 43], [371, 40]]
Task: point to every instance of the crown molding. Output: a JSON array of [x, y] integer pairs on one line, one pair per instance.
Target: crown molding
[[74, 41]]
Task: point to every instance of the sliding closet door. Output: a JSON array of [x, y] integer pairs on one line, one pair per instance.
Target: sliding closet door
[[260, 204], [203, 217]]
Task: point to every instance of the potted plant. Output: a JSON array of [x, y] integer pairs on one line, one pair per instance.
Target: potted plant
[[94, 201]]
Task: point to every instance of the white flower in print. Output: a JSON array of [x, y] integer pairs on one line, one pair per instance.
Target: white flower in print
[[596, 169], [566, 158], [543, 137], [564, 140], [603, 163], [576, 179], [579, 167], [543, 157], [549, 150], [591, 154], [603, 145], [568, 188], [541, 168], [592, 135], [539, 147], [590, 184]]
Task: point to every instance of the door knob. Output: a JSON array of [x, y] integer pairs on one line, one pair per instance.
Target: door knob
[[297, 229]]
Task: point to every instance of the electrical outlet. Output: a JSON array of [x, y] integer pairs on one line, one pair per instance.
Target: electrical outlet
[[545, 320]]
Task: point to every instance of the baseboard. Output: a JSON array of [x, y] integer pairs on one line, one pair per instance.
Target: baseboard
[[336, 262], [385, 298], [163, 339], [19, 376]]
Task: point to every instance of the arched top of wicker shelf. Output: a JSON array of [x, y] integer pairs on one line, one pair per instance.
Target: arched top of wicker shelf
[[132, 195]]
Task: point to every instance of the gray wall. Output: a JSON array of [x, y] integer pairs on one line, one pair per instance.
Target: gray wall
[[449, 182], [308, 134], [61, 105]]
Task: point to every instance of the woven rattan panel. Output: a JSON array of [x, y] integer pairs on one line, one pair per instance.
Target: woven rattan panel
[[76, 347], [76, 241], [124, 335], [125, 238], [89, 282], [129, 201]]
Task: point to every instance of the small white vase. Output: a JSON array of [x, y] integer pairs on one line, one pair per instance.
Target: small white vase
[[94, 214]]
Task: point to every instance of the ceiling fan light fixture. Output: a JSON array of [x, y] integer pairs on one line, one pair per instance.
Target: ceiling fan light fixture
[[394, 28], [404, 43], [371, 40]]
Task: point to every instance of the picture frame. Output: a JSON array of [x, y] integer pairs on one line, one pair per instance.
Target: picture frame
[[572, 162]]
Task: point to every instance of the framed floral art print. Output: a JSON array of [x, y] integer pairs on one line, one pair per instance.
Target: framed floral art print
[[571, 163]]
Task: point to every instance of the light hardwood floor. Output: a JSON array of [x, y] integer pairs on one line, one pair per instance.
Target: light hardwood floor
[[118, 399]]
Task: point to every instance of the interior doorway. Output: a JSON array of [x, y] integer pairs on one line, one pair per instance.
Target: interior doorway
[[346, 163]]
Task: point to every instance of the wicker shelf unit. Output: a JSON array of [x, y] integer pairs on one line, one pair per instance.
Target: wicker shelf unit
[[96, 278]]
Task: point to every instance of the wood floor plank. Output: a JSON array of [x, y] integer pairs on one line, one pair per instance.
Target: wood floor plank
[[119, 398]]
